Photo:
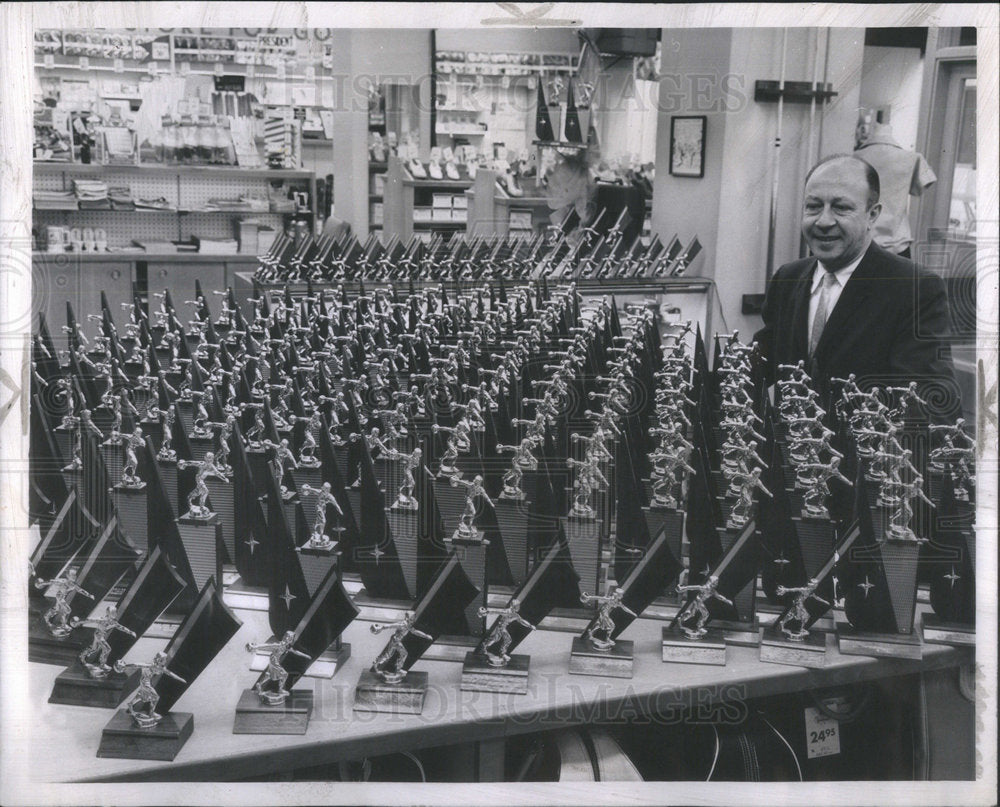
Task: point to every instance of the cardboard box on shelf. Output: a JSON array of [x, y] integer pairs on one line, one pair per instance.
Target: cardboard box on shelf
[[246, 233], [520, 220]]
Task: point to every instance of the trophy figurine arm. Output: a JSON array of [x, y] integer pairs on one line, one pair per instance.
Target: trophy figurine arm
[[298, 653], [720, 597], [628, 611], [586, 598], [174, 676], [421, 634], [82, 591]]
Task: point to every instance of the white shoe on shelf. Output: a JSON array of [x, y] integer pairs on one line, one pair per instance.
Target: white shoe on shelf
[[450, 168], [435, 164], [416, 168]]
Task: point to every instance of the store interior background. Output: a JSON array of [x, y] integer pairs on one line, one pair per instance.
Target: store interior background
[[728, 209], [710, 72]]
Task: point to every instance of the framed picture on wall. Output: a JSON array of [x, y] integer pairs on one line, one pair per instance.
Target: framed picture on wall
[[687, 145]]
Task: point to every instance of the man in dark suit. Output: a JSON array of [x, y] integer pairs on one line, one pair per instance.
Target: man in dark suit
[[853, 307]]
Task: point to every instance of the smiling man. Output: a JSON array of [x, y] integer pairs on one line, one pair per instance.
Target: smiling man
[[853, 307]]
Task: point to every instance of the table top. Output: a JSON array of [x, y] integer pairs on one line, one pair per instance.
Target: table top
[[65, 739]]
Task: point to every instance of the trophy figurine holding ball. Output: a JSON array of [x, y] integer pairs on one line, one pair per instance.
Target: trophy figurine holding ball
[[395, 651]]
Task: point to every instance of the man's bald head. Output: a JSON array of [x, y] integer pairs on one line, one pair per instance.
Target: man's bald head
[[849, 162]]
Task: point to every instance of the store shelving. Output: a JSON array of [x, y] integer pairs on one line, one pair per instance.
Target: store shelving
[[186, 191], [403, 194], [181, 170]]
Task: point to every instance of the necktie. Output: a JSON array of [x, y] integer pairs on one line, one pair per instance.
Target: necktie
[[822, 311]]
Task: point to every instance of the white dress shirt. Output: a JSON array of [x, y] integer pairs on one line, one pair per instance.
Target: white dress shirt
[[841, 275]]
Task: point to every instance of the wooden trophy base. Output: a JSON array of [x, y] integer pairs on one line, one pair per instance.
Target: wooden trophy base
[[404, 698], [677, 647], [881, 645], [44, 648], [935, 630], [777, 648], [254, 716], [616, 662], [123, 739], [75, 686], [478, 675]]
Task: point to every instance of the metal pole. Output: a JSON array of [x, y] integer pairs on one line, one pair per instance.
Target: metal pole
[[773, 222], [811, 156], [826, 76]]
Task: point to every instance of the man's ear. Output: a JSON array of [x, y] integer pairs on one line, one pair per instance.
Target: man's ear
[[873, 213]]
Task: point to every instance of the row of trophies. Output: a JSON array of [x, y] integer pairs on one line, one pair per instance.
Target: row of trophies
[[556, 254], [475, 467]]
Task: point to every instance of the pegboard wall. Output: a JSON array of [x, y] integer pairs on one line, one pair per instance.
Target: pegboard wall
[[182, 191], [223, 225], [122, 227]]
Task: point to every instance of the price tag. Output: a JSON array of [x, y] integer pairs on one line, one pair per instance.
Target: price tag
[[310, 72], [118, 65], [49, 60], [153, 68], [218, 68], [251, 70], [279, 68], [184, 68], [84, 63], [822, 734]]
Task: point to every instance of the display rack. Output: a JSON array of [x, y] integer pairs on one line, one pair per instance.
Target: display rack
[[405, 199], [493, 211], [376, 195], [185, 189]]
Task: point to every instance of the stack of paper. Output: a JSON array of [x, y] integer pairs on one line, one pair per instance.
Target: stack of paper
[[217, 246], [92, 194], [54, 200], [121, 197]]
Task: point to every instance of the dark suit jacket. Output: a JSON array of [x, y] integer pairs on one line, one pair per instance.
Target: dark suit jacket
[[887, 328]]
